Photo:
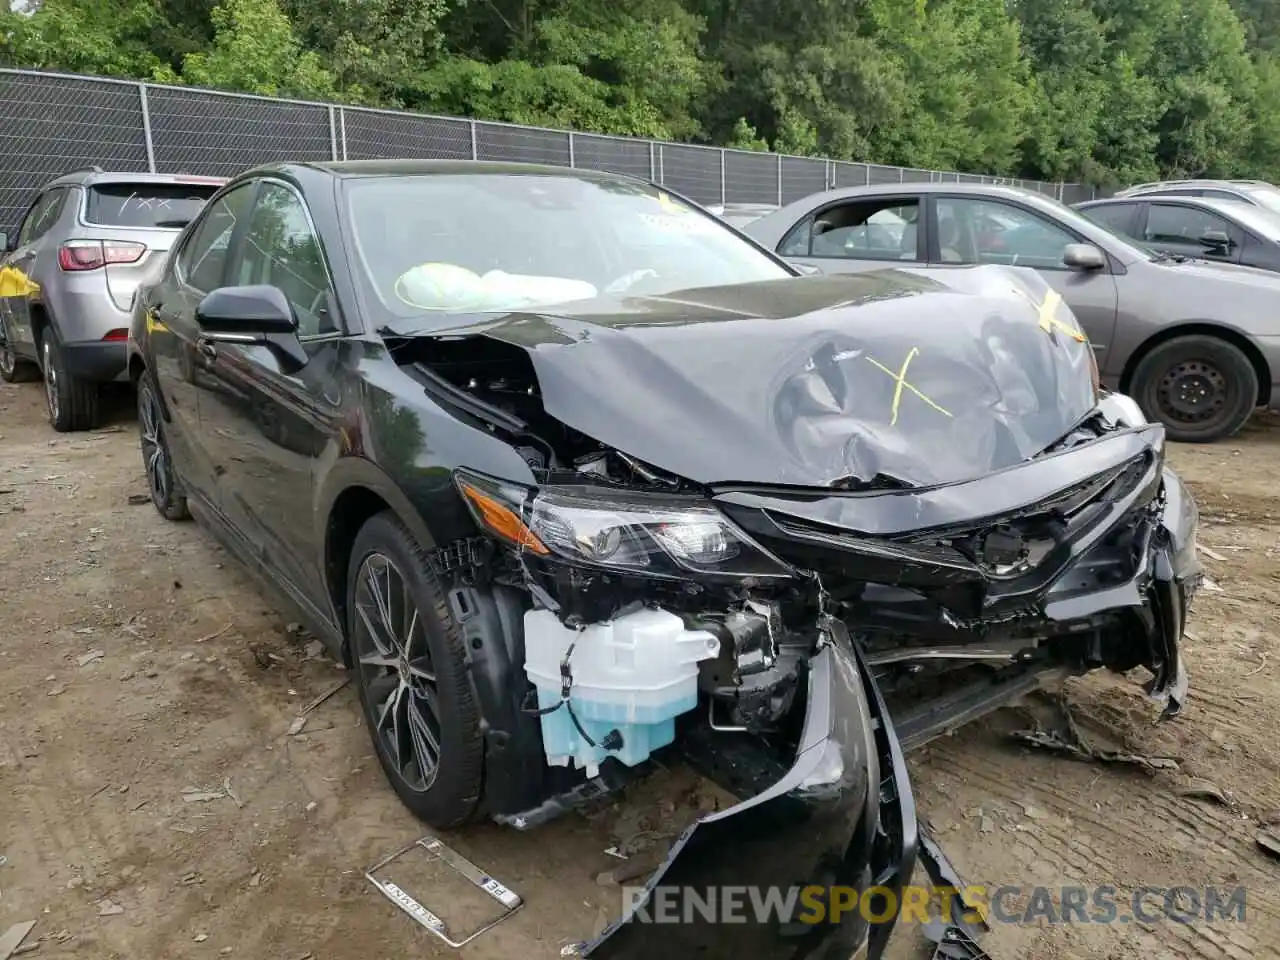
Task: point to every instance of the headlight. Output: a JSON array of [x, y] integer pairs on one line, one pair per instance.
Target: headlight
[[651, 535]]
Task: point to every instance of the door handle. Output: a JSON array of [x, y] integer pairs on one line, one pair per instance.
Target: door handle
[[207, 349]]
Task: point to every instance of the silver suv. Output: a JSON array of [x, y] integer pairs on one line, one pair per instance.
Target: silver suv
[[1257, 193], [67, 279]]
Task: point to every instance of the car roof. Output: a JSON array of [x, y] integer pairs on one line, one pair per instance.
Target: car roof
[[1221, 205], [1239, 187], [96, 175], [348, 169], [922, 186]]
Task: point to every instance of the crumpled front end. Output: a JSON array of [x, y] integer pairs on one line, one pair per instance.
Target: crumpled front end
[[791, 642], [1082, 558]]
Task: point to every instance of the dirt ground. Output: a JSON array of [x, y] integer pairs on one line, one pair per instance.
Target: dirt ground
[[154, 804]]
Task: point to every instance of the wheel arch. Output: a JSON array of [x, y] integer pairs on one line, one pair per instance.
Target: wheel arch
[[41, 320], [1202, 328], [137, 367], [355, 491]]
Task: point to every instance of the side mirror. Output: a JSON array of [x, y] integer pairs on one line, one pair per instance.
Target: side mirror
[[1216, 240], [1083, 256], [808, 269], [258, 314]]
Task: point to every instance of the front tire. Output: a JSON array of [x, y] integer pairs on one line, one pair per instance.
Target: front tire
[[72, 402], [1201, 387], [162, 481], [407, 652]]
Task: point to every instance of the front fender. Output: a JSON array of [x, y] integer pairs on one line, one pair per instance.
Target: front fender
[[351, 472]]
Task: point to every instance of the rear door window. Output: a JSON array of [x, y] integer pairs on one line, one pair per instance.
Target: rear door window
[[1116, 217], [146, 205], [877, 229], [42, 216]]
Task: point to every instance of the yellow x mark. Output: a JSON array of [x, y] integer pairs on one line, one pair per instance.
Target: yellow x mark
[[1048, 311], [900, 379]]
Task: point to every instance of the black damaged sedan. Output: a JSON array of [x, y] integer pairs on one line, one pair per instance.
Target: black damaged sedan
[[576, 478]]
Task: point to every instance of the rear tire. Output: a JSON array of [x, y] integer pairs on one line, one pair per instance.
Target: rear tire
[[407, 652], [72, 402], [1201, 387], [162, 481], [13, 369]]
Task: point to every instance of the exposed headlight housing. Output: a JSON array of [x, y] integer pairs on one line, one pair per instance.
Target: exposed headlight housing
[[650, 535]]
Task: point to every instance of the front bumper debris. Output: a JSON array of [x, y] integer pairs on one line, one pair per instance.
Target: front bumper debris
[[841, 819]]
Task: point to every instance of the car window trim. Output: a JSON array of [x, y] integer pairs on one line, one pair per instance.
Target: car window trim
[[888, 198], [343, 330], [1017, 205]]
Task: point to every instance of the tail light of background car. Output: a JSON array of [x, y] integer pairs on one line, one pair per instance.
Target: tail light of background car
[[76, 256]]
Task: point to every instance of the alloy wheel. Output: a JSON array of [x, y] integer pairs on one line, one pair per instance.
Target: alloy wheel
[[394, 660], [154, 454], [51, 382]]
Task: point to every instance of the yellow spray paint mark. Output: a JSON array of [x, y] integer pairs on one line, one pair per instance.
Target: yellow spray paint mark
[[153, 323], [900, 384], [15, 283], [669, 205], [1048, 312]]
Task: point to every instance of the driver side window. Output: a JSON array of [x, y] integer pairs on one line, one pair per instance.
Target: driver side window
[[281, 249], [202, 262], [988, 231]]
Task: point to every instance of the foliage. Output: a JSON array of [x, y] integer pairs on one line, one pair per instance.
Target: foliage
[[1107, 91]]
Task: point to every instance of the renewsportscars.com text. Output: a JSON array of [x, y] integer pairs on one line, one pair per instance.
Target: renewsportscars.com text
[[1010, 903]]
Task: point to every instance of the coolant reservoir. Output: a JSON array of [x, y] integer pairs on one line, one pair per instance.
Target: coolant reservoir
[[634, 674]]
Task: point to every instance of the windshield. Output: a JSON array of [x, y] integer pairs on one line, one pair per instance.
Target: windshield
[[441, 243], [1266, 197], [1263, 221], [1079, 220]]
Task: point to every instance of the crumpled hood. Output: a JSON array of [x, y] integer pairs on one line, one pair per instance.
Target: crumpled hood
[[925, 377]]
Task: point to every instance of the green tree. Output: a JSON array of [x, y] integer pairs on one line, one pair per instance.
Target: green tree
[[108, 37], [1108, 91], [255, 50]]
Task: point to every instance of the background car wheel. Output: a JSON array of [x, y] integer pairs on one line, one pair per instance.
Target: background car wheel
[[407, 653], [1201, 387], [12, 369], [73, 403], [162, 482]]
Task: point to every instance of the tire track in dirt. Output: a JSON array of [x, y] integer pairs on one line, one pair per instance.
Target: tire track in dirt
[[1070, 839]]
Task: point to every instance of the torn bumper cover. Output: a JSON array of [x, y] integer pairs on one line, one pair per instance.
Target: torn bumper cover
[[1083, 558], [841, 821], [1101, 572]]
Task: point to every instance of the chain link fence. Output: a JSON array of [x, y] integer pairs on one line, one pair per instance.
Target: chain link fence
[[52, 123]]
